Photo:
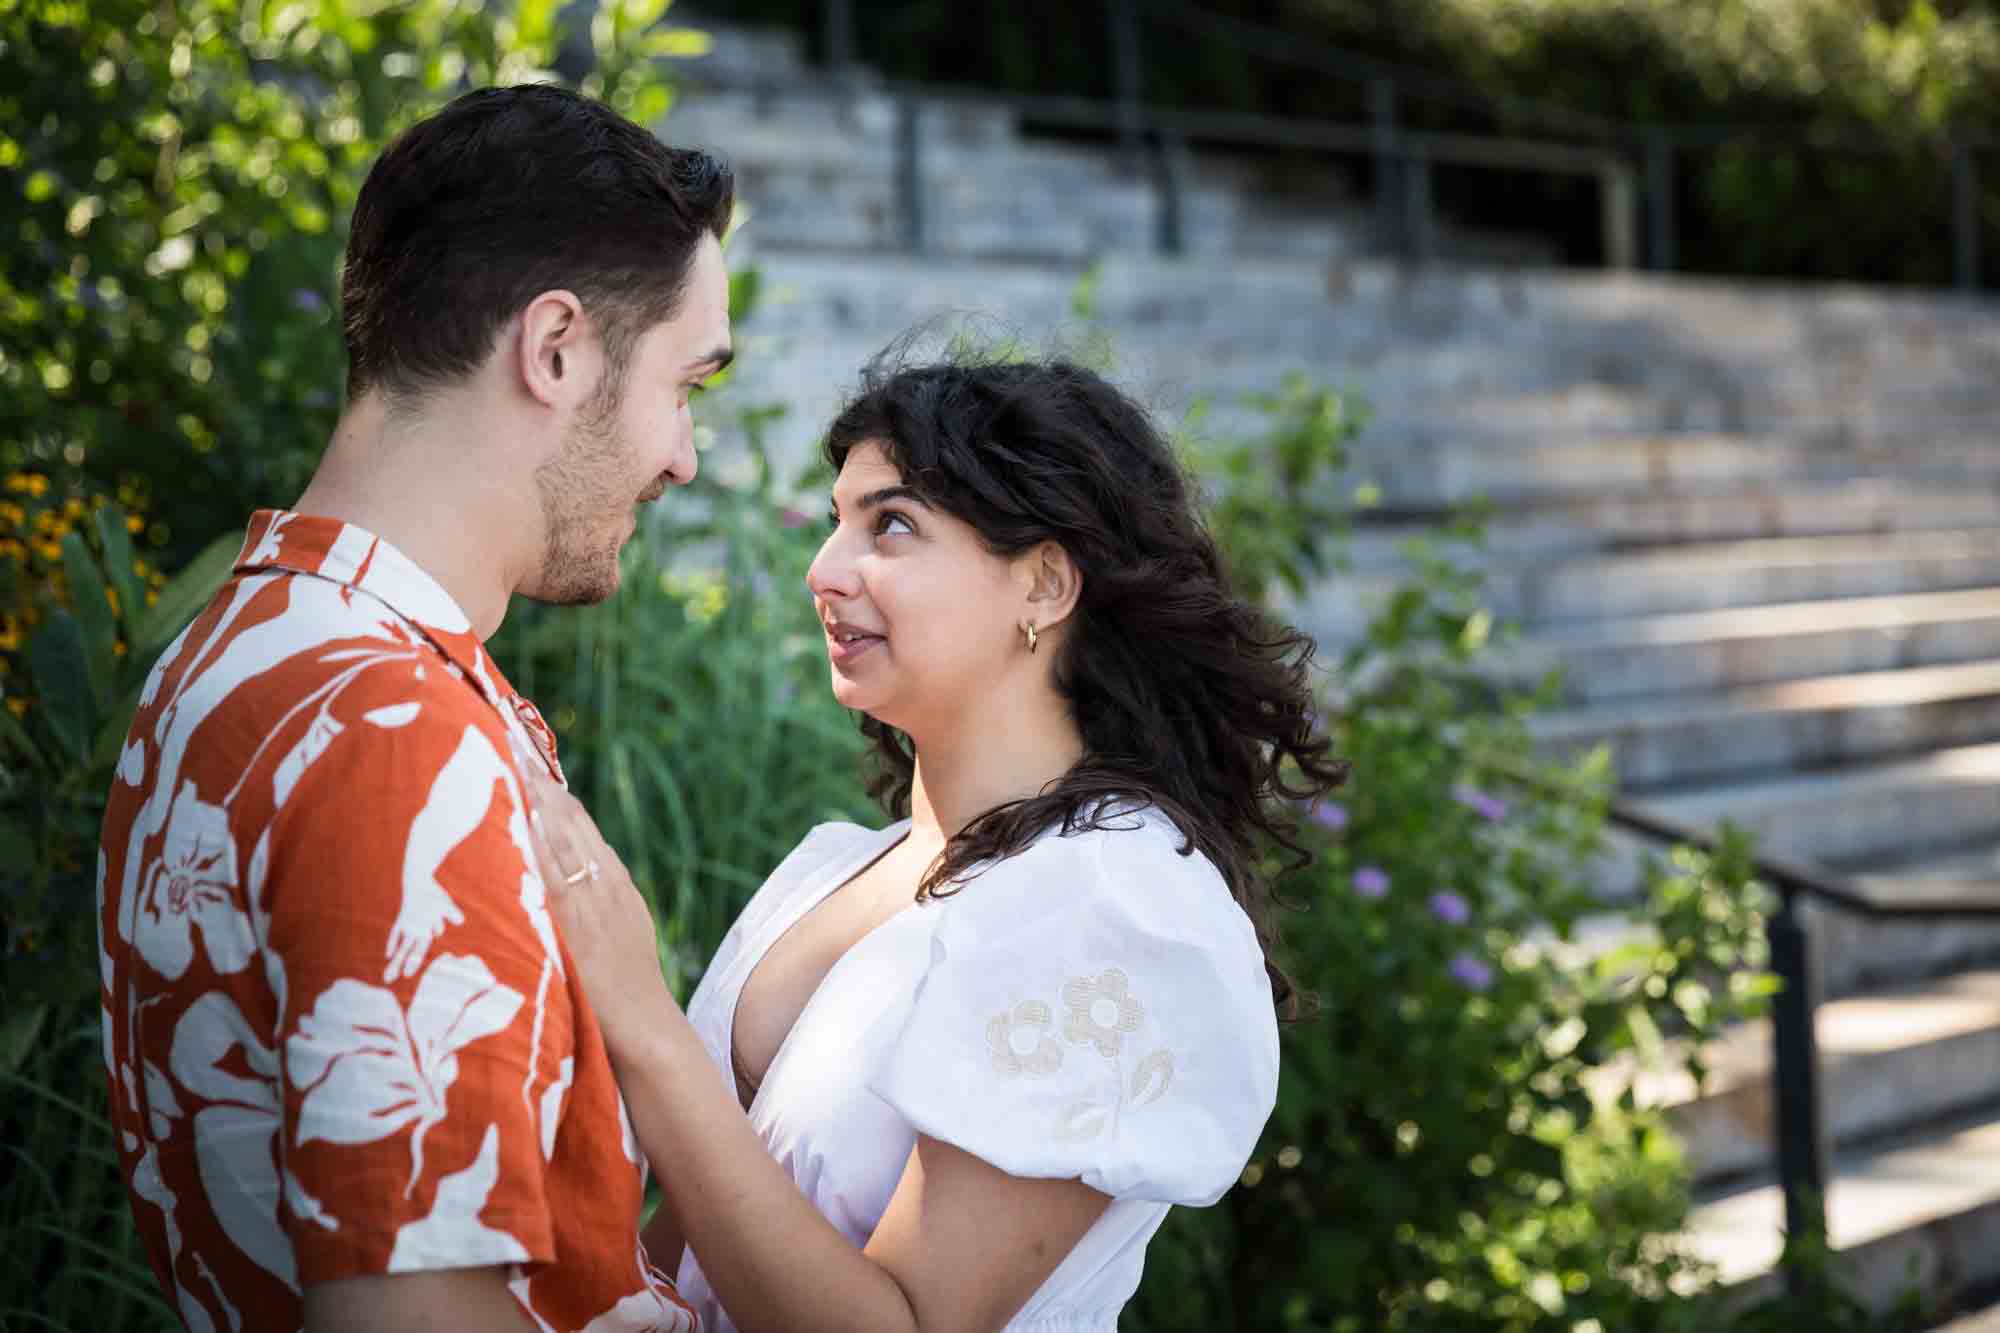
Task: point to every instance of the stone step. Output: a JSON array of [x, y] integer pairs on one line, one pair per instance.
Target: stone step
[[1924, 1212], [1986, 1320], [1936, 802], [1751, 645], [1808, 723], [1710, 576], [1567, 598], [1610, 523], [1856, 954], [1630, 465], [1889, 1061], [1708, 355]]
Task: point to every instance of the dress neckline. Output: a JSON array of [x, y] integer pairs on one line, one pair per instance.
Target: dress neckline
[[831, 878]]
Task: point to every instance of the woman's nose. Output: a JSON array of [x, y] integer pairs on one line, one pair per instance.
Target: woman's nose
[[831, 573]]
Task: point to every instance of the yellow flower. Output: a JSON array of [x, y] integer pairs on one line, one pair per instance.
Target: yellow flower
[[14, 550], [36, 485], [18, 707], [73, 509], [14, 514], [49, 550], [111, 596], [133, 523], [10, 637]]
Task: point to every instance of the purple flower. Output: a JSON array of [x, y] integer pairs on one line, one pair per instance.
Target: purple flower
[[1330, 815], [308, 300], [1472, 973], [1371, 882], [1449, 908], [1477, 801], [794, 518]]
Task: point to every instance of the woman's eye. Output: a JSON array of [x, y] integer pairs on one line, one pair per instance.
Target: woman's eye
[[891, 521]]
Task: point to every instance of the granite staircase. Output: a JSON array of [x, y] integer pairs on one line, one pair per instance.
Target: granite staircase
[[1757, 527]]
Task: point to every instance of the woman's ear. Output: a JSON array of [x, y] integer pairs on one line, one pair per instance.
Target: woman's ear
[[1053, 584]]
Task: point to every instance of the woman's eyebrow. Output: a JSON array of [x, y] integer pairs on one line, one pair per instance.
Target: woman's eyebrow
[[887, 493]]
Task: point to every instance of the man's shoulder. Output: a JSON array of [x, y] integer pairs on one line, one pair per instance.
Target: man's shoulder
[[283, 640]]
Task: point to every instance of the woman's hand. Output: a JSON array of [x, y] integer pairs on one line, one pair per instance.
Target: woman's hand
[[603, 917]]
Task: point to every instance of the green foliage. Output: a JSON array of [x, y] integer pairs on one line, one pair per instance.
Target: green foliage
[[174, 187], [1892, 73], [1469, 1154], [86, 661], [72, 1258]]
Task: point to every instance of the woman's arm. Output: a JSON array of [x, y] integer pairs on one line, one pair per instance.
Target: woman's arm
[[662, 1237], [962, 1246]]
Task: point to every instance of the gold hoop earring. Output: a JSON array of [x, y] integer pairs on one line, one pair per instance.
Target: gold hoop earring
[[1028, 628]]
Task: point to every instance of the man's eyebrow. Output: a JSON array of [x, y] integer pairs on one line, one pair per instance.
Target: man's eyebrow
[[716, 361]]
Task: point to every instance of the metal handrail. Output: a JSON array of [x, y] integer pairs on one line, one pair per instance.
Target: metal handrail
[[1403, 165], [1804, 1147]]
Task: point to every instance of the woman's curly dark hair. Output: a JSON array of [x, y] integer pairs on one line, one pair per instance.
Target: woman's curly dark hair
[[1187, 696]]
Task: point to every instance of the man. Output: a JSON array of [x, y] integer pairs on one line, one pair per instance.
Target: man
[[355, 1084]]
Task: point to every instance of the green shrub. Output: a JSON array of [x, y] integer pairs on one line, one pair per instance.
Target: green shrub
[[175, 183]]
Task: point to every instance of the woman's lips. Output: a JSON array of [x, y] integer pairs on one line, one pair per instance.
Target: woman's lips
[[844, 645]]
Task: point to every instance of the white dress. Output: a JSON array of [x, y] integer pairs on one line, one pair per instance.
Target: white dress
[[1095, 1007]]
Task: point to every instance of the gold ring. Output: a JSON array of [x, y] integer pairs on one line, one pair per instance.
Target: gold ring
[[580, 875]]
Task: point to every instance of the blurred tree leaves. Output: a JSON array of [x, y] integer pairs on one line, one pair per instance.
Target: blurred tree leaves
[[175, 180]]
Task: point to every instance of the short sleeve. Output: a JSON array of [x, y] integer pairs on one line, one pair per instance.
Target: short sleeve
[[426, 1032], [1096, 1007]]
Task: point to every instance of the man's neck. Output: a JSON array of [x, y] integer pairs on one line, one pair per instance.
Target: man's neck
[[418, 483]]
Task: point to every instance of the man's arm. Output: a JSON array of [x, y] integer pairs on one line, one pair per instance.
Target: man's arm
[[452, 1298]]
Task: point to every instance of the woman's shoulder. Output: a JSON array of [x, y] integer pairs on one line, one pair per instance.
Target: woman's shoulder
[[1128, 862], [822, 846]]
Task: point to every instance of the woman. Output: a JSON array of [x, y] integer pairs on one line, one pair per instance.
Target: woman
[[981, 1050]]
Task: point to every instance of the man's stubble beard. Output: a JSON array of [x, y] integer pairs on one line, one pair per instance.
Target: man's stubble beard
[[579, 491]]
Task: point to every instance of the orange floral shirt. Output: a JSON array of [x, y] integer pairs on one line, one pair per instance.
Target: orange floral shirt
[[341, 1033]]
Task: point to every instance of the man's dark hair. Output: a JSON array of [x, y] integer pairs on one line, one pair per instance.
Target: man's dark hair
[[504, 194]]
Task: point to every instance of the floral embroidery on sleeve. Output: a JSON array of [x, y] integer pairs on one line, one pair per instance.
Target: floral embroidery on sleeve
[[1102, 1013], [1021, 1042]]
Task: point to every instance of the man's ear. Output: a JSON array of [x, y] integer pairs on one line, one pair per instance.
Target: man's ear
[[557, 350], [1053, 584]]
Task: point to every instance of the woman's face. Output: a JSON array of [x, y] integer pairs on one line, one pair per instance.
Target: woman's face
[[920, 618]]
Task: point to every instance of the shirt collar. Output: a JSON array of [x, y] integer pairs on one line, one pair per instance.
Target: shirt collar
[[359, 561]]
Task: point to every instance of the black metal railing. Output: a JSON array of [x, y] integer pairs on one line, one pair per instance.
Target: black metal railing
[[1634, 164], [1799, 1120]]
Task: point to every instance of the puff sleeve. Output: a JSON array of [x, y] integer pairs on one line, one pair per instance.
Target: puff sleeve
[[1095, 1007]]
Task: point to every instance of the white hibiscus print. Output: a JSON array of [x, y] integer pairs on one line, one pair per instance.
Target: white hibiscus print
[[193, 884], [451, 1235], [236, 1131], [370, 1069]]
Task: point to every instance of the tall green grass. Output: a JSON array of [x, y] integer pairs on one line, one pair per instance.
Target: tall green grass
[[69, 1252]]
